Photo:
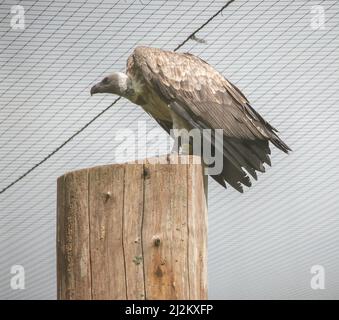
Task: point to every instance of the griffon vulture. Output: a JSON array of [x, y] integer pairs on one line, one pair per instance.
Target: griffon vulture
[[182, 91]]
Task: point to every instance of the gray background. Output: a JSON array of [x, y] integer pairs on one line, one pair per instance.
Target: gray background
[[263, 243]]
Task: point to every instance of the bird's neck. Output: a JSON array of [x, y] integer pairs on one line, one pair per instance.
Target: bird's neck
[[133, 91], [121, 86]]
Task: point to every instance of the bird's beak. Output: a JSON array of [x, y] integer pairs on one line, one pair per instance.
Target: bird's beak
[[95, 89]]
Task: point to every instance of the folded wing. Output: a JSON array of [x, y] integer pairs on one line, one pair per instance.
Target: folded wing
[[203, 97]]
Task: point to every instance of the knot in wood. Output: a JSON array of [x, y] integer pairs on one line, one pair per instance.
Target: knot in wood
[[159, 272], [108, 195], [157, 242], [146, 173]]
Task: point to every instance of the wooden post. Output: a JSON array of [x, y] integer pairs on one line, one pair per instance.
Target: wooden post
[[133, 231]]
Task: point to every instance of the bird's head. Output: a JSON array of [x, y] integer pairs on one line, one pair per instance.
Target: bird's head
[[115, 83]]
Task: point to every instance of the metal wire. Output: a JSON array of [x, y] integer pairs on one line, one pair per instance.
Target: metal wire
[[102, 112]]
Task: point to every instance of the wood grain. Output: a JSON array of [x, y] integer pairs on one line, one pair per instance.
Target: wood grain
[[197, 232], [74, 275], [132, 237], [106, 187], [133, 231]]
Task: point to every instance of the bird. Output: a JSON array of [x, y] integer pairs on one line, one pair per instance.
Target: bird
[[182, 91]]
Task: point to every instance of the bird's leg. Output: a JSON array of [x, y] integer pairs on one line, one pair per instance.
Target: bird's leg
[[185, 149], [173, 156], [181, 148], [181, 132], [175, 148]]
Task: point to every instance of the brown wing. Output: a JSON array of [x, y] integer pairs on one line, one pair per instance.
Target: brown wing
[[206, 99]]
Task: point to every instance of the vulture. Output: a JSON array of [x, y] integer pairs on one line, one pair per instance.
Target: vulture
[[182, 91]]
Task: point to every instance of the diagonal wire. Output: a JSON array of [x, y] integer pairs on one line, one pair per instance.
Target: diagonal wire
[[55, 114], [107, 108], [214, 251], [60, 147], [204, 24], [300, 128]]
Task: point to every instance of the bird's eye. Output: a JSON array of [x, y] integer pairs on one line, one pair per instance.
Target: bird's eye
[[105, 80]]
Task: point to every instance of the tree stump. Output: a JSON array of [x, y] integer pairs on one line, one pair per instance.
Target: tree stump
[[133, 231]]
